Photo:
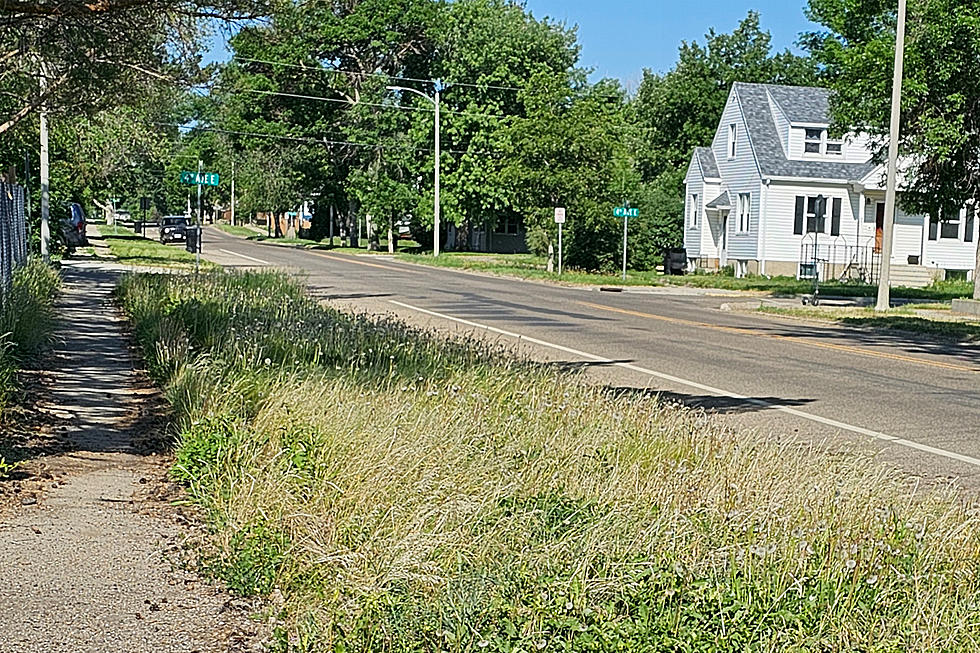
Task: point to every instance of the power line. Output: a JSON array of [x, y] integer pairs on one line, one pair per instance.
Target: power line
[[373, 104], [498, 87], [319, 141]]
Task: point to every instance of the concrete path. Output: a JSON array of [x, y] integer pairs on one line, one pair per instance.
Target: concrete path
[[90, 557]]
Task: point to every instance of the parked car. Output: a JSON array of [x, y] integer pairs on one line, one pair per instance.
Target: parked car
[[173, 228], [73, 227]]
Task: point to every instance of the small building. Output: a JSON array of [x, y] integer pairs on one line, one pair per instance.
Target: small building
[[777, 194]]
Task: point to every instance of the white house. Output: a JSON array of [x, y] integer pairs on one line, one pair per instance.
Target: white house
[[753, 199]]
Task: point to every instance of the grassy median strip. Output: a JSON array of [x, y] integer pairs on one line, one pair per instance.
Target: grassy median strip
[[26, 320], [403, 492], [935, 321], [130, 248]]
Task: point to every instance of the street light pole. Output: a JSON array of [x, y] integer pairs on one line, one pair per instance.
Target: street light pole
[[888, 226], [435, 213], [435, 100]]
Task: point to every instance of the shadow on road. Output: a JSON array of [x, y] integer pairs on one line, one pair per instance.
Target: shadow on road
[[710, 403]]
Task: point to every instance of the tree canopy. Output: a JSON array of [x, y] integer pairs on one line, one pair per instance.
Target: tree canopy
[[940, 127]]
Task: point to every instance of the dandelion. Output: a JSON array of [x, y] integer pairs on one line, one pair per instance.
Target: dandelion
[[850, 564]]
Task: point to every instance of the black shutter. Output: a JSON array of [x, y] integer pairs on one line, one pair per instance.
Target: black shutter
[[933, 227], [798, 223], [835, 218], [971, 217]]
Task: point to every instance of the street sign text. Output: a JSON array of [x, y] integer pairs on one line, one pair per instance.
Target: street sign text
[[199, 178], [626, 212]]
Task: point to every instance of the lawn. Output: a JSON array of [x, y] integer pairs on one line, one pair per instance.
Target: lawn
[[132, 249], [399, 491], [904, 318], [238, 230], [529, 266]]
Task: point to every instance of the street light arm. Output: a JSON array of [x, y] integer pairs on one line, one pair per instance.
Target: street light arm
[[411, 90]]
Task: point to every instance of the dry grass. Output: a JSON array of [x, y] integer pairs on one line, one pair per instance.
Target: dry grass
[[454, 501]]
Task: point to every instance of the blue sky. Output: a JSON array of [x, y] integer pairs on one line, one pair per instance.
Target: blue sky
[[620, 38]]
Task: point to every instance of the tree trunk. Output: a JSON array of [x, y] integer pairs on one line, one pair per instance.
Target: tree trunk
[[277, 218], [391, 241]]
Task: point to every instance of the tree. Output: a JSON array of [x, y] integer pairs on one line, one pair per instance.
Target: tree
[[940, 129]]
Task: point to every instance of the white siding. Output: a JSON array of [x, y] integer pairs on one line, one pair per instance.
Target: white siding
[[692, 235], [782, 123], [950, 254], [741, 175], [781, 243], [708, 231]]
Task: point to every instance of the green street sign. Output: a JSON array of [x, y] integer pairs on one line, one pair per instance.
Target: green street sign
[[625, 212], [199, 178]]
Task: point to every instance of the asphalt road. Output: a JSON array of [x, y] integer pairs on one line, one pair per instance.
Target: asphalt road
[[914, 402]]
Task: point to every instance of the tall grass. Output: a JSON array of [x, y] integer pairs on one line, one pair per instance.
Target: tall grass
[[407, 493], [26, 320]]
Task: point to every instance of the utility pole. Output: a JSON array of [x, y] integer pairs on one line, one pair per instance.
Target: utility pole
[[436, 230], [884, 283], [45, 174]]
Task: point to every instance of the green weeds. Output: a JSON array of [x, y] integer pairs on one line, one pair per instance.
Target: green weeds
[[26, 320], [406, 492]]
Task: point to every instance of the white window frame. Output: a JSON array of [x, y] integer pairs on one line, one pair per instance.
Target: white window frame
[[807, 140], [958, 221], [732, 140], [744, 205], [695, 209]]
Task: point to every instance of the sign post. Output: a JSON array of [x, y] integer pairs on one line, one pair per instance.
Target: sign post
[[626, 213], [559, 220]]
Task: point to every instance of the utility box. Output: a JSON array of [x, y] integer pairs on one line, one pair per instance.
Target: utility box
[[193, 242], [675, 260]]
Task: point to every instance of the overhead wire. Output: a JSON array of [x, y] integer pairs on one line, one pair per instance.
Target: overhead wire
[[319, 141]]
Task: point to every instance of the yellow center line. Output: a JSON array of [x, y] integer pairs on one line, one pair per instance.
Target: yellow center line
[[349, 259], [797, 339]]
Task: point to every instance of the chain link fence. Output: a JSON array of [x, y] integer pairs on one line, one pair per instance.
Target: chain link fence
[[13, 232]]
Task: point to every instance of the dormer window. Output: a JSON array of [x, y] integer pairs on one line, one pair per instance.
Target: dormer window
[[732, 137], [817, 141], [812, 141]]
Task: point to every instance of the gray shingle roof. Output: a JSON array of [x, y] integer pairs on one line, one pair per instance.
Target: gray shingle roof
[[720, 202], [800, 104], [709, 165]]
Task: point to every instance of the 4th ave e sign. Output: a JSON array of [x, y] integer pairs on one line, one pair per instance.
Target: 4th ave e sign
[[199, 178], [626, 212]]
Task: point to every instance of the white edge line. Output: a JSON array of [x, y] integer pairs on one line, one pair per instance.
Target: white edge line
[[249, 258], [877, 435]]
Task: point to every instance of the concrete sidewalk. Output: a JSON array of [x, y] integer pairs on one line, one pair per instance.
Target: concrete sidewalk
[[89, 561]]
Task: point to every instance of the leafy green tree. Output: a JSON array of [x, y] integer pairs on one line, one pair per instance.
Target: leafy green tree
[[940, 128]]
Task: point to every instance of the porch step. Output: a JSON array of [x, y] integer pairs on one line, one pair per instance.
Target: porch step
[[914, 276]]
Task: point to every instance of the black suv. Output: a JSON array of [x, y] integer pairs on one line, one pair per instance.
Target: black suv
[[173, 228]]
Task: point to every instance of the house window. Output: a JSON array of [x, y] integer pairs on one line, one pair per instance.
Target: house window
[[507, 225], [744, 211], [835, 148], [816, 214], [732, 139], [811, 212], [812, 140], [950, 228], [695, 210], [971, 221]]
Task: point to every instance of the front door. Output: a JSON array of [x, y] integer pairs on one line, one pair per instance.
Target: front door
[[723, 241], [879, 226]]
